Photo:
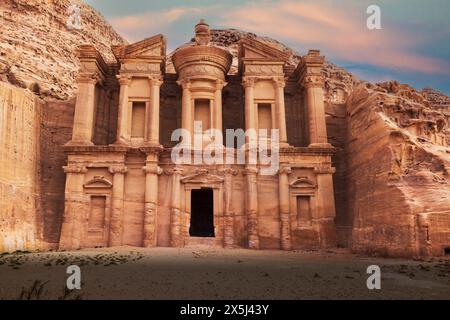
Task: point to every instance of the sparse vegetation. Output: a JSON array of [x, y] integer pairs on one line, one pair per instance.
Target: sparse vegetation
[[18, 258], [35, 292]]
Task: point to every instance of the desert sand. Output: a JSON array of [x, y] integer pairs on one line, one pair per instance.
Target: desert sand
[[210, 273]]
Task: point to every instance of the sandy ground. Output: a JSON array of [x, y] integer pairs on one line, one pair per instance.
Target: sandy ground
[[205, 273]]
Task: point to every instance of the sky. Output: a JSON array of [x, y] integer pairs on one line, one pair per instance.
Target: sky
[[412, 46]]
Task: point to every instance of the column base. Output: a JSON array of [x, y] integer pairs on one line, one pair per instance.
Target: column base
[[121, 142], [320, 145], [79, 143]]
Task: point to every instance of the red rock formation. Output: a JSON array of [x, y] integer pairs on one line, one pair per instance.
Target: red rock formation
[[392, 160], [38, 50], [38, 56], [397, 172]]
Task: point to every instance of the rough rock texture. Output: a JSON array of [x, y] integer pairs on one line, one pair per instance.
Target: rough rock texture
[[38, 55], [338, 85], [56, 130], [439, 102], [19, 159], [397, 174], [392, 160], [38, 51]]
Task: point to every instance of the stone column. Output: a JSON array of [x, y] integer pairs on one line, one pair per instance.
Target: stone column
[[83, 124], [285, 220], [311, 79], [218, 105], [155, 85], [122, 123], [250, 112], [175, 214], [151, 203], [316, 111], [326, 212], [116, 221], [228, 241], [252, 207], [74, 198], [186, 107], [280, 83]]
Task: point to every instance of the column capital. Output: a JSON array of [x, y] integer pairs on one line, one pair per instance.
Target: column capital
[[248, 82], [280, 82], [124, 79], [75, 168], [178, 171], [228, 171], [220, 84], [184, 83], [153, 170], [285, 170], [90, 78], [173, 171], [118, 169], [324, 169], [156, 80], [251, 171], [312, 81]]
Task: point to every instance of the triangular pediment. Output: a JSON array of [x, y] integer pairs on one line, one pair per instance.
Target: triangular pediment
[[257, 50], [154, 47], [203, 178]]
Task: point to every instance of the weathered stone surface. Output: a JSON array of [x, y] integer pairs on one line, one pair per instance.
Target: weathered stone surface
[[38, 51], [19, 165], [142, 198], [38, 55], [391, 187], [398, 183], [56, 130]]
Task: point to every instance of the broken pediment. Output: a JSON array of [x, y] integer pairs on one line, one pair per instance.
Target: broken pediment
[[150, 48], [98, 182], [253, 49]]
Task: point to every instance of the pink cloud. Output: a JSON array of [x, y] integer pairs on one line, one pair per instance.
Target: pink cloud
[[134, 26], [336, 30]]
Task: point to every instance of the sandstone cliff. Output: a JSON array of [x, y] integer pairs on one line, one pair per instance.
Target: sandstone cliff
[[392, 160], [19, 163], [38, 50], [38, 59], [397, 171]]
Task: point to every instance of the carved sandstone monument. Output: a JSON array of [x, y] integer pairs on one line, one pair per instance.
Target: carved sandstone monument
[[85, 146], [122, 187]]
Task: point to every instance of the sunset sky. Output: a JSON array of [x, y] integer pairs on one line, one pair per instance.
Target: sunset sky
[[413, 45]]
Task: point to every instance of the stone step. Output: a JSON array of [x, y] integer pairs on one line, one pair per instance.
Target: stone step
[[201, 241]]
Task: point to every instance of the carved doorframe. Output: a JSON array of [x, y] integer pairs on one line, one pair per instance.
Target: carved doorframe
[[98, 186], [198, 182]]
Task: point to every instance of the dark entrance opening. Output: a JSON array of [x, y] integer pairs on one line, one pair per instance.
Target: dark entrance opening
[[447, 251], [202, 213]]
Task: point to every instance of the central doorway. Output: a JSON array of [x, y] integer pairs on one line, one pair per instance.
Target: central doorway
[[202, 213]]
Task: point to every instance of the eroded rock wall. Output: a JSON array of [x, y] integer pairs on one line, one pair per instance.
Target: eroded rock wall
[[19, 158], [56, 130], [338, 85], [397, 173], [38, 49]]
